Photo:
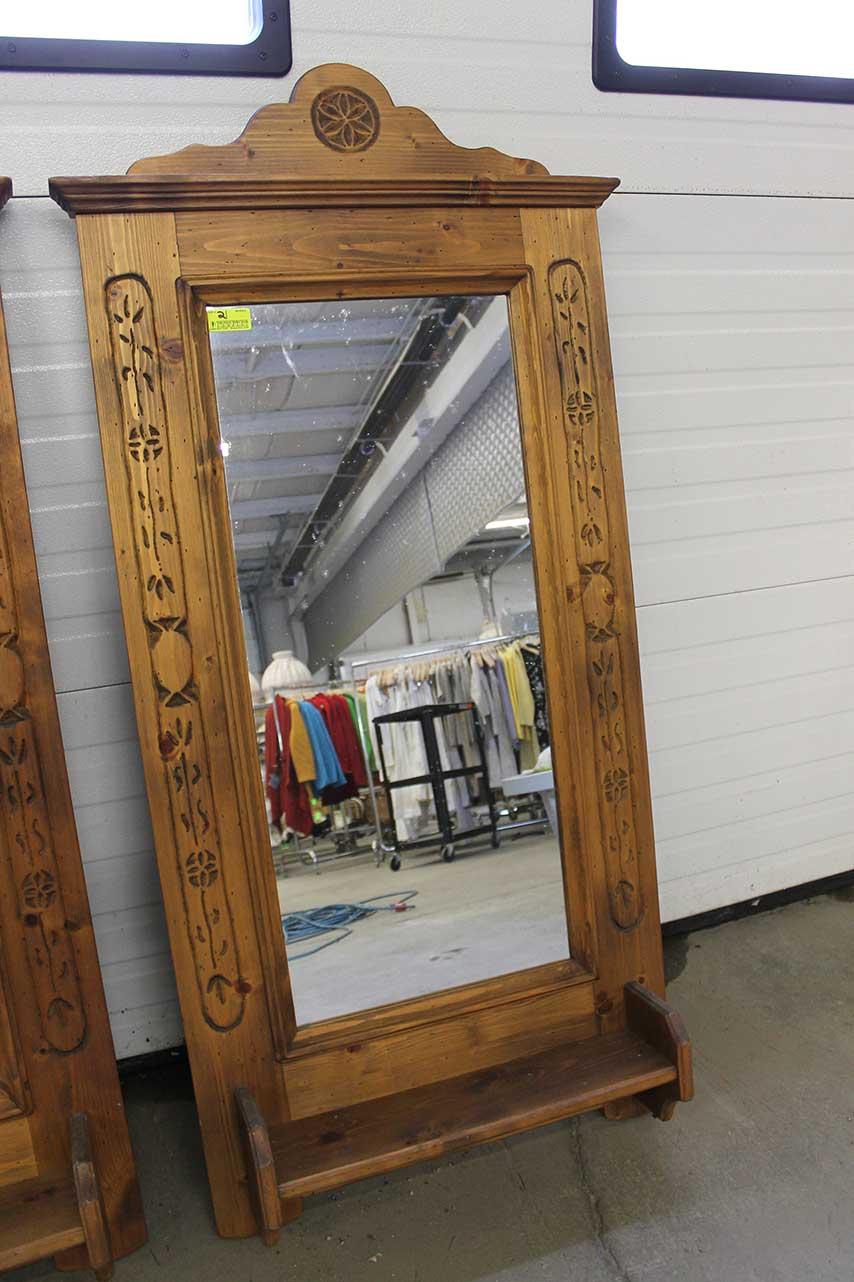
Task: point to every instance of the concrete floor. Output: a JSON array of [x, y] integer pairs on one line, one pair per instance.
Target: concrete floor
[[487, 913], [753, 1182]]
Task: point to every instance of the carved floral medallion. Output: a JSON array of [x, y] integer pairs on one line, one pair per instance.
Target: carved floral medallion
[[345, 119]]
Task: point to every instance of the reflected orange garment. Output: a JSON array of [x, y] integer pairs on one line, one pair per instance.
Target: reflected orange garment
[[302, 756]]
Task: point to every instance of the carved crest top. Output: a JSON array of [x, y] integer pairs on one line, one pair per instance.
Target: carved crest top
[[339, 141]]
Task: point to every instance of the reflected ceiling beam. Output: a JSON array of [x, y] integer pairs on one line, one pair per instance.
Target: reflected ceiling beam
[[242, 510], [278, 469], [276, 362], [344, 418], [262, 540], [365, 329]]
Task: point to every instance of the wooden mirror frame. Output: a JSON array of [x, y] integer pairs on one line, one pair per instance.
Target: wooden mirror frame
[[341, 194], [68, 1184]]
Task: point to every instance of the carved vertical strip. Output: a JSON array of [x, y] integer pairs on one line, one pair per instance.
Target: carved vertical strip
[[570, 305], [31, 857], [181, 734], [11, 668], [49, 950]]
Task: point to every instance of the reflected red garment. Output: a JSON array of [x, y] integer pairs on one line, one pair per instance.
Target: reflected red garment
[[287, 795], [345, 741]]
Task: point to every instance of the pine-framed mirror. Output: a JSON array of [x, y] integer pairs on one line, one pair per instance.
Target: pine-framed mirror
[[358, 422]]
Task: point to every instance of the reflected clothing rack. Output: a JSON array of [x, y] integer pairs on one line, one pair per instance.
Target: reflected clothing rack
[[447, 647], [346, 840], [437, 778]]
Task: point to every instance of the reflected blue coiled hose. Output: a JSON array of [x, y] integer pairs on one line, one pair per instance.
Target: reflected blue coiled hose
[[313, 922]]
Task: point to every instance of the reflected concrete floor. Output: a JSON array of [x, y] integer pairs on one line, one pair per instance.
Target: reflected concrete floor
[[750, 1183], [485, 914]]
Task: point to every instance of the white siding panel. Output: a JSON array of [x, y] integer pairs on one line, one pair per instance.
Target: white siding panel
[[105, 773], [732, 325], [518, 76], [750, 724], [733, 341]]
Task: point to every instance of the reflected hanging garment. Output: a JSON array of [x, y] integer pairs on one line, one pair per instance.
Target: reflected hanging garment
[[377, 703], [359, 714], [533, 661], [336, 713], [328, 772], [486, 696], [407, 758], [288, 797], [506, 702], [302, 755], [523, 705]]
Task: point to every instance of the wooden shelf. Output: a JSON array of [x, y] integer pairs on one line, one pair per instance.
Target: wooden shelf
[[37, 1220], [318, 1153]]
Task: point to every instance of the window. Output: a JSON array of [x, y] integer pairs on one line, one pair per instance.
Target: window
[[209, 37], [726, 48]]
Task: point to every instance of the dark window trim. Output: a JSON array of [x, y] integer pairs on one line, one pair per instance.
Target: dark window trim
[[613, 75], [268, 55]]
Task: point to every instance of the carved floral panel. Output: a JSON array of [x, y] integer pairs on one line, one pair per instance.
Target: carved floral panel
[[181, 734], [26, 843], [581, 411]]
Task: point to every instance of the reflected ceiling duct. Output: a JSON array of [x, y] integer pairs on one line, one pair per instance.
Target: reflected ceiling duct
[[428, 350]]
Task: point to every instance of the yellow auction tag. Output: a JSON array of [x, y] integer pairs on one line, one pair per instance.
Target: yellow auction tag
[[227, 319]]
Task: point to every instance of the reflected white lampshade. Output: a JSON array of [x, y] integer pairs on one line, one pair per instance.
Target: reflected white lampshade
[[255, 688], [284, 670]]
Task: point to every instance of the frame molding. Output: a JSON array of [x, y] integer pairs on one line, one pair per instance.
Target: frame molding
[[260, 219]]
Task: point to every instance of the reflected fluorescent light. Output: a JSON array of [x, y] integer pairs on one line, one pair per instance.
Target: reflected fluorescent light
[[510, 523], [225, 448], [216, 22]]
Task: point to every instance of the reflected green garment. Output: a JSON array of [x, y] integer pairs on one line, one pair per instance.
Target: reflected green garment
[[359, 713]]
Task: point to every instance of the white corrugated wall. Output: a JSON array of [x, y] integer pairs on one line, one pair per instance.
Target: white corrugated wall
[[729, 255]]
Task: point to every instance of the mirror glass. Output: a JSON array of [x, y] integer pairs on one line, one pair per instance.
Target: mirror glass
[[375, 478]]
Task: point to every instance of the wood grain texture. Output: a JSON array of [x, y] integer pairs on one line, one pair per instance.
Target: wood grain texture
[[37, 1219], [260, 1166], [90, 1203], [15, 1095], [17, 1158], [661, 1026], [607, 738], [52, 980], [278, 243], [278, 234], [333, 1148], [228, 1007], [163, 194], [162, 580], [341, 142], [395, 1061]]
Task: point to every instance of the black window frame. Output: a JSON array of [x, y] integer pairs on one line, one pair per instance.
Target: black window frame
[[612, 74], [269, 54]]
